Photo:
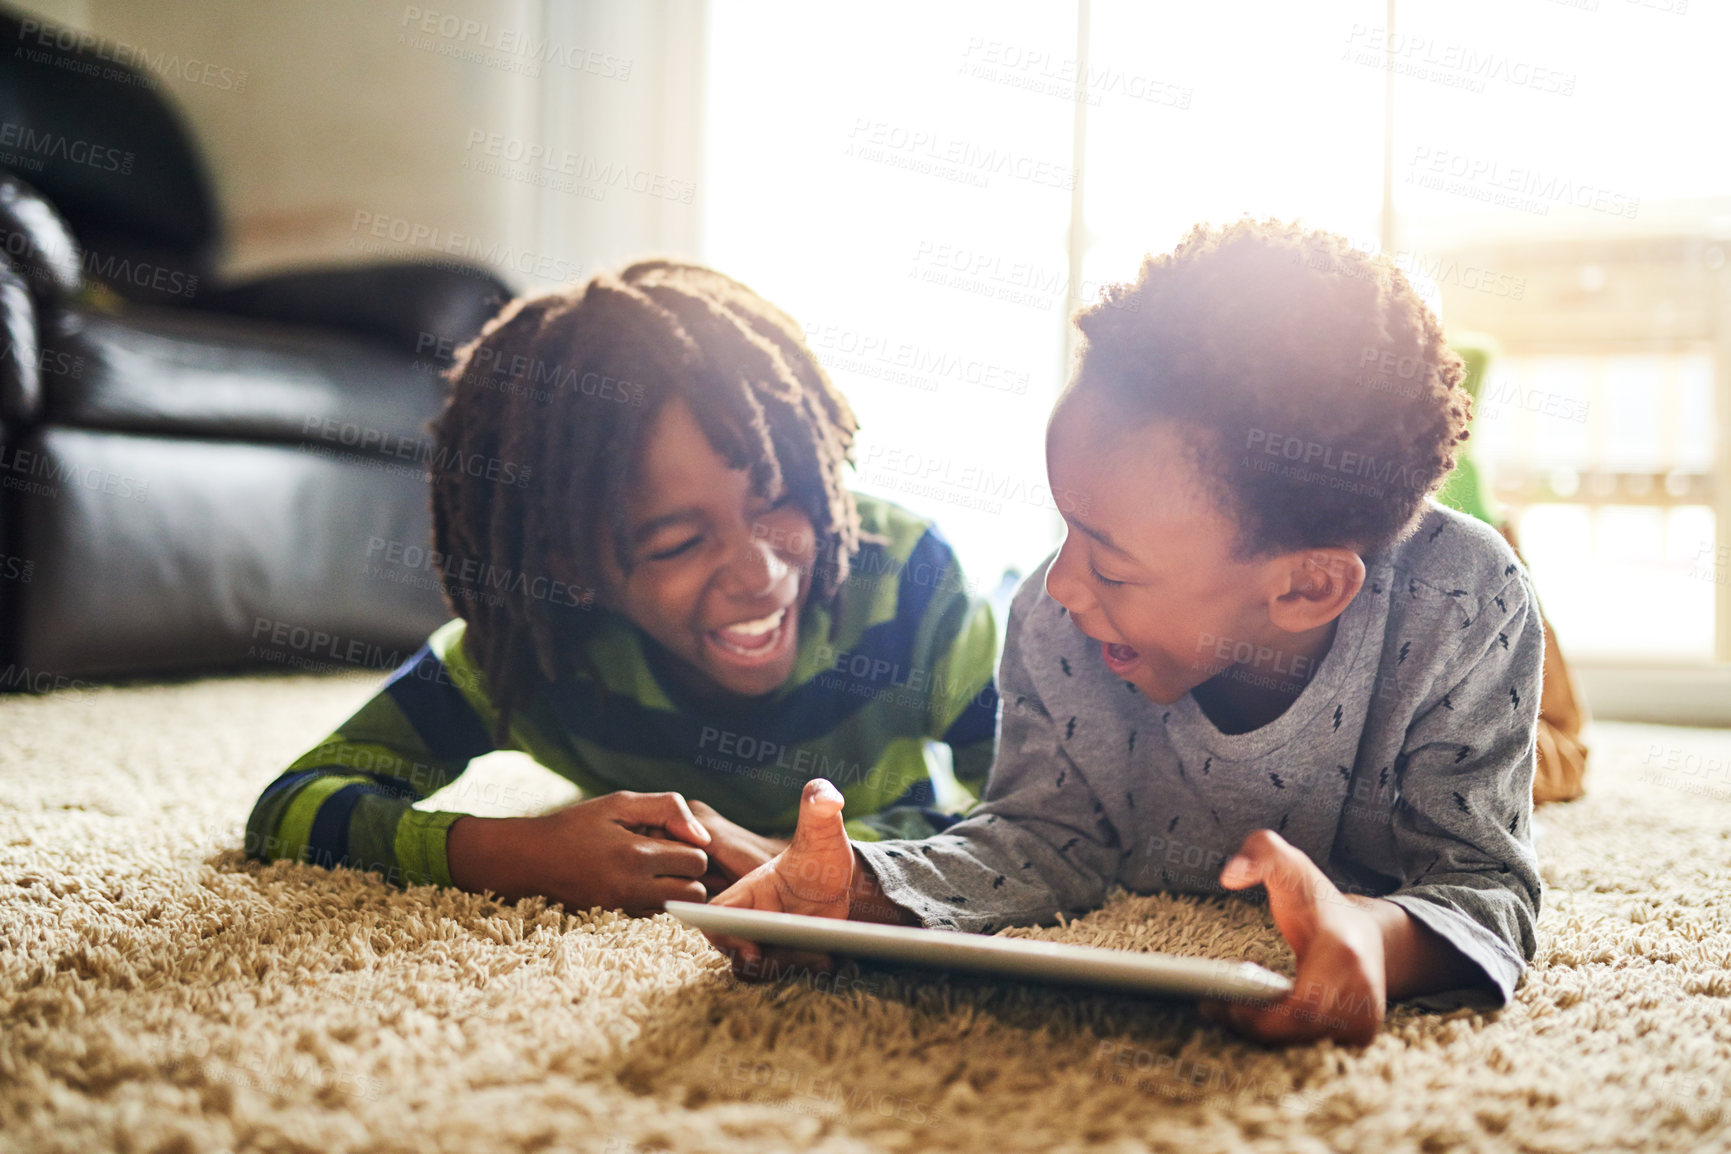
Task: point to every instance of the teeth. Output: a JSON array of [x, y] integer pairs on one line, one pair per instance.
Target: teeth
[[759, 627]]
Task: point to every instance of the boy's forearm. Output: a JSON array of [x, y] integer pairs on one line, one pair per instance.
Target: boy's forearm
[[483, 853], [1417, 959], [868, 903]]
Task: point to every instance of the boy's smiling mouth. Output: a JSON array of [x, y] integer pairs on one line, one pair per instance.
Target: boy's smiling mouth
[[751, 643], [1117, 656], [1120, 659]]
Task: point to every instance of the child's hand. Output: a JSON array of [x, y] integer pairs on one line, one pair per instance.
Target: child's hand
[[593, 853], [1341, 990], [733, 850], [596, 856], [814, 876]]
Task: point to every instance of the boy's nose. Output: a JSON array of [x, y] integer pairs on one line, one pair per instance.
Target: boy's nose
[[1065, 588], [756, 569]]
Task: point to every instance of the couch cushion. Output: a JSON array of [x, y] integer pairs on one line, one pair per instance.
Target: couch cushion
[[156, 554], [182, 373], [425, 309]]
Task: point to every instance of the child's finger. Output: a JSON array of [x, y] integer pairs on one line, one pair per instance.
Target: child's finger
[[1284, 1022], [672, 859], [1332, 1013], [687, 825], [820, 824], [1270, 860], [1265, 858], [737, 950], [736, 858], [667, 810], [748, 890], [755, 963], [1296, 885], [669, 889]]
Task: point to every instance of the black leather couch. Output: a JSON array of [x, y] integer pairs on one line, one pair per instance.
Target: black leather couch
[[195, 475]]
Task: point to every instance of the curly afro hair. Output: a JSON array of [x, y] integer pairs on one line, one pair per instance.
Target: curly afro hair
[[1325, 404], [564, 387]]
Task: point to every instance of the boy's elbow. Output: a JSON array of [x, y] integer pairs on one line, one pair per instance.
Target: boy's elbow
[[1504, 904], [256, 842], [263, 840], [1514, 905], [1529, 919]]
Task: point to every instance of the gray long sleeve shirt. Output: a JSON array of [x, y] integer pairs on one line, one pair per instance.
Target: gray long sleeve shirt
[[1404, 769]]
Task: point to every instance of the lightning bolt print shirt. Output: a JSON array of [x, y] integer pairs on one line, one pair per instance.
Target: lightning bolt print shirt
[[1404, 769]]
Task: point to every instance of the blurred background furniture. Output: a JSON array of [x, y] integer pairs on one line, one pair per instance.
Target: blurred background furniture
[[1562, 753], [1603, 437], [196, 474]]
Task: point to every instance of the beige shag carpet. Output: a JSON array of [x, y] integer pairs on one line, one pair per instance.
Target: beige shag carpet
[[159, 993]]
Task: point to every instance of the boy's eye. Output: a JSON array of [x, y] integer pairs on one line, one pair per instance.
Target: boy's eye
[[669, 554], [1102, 578], [774, 506]]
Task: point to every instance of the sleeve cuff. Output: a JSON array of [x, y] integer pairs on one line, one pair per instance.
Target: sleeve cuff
[[1501, 967], [420, 847], [900, 889]]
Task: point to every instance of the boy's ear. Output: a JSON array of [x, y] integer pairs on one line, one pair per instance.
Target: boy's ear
[[1317, 585]]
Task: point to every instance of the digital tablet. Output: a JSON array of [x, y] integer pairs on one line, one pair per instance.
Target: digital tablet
[[1126, 971]]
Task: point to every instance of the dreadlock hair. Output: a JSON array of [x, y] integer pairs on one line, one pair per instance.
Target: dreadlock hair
[[1323, 398], [557, 393]]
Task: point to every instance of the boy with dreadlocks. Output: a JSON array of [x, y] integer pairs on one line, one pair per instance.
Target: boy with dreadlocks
[[1260, 657], [685, 602]]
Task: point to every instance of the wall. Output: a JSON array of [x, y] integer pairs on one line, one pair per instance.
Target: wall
[[348, 130]]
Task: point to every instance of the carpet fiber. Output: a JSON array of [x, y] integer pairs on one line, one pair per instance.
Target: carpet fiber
[[161, 993]]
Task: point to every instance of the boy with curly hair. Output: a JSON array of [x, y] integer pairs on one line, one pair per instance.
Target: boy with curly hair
[[687, 613], [1262, 656]]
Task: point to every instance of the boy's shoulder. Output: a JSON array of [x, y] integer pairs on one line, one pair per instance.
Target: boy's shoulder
[[900, 549], [449, 646], [886, 525], [904, 570], [1452, 555]]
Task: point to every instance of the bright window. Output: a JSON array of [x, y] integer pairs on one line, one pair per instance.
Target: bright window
[[899, 178]]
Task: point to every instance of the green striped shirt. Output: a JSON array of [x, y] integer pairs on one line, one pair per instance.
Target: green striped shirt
[[904, 657]]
